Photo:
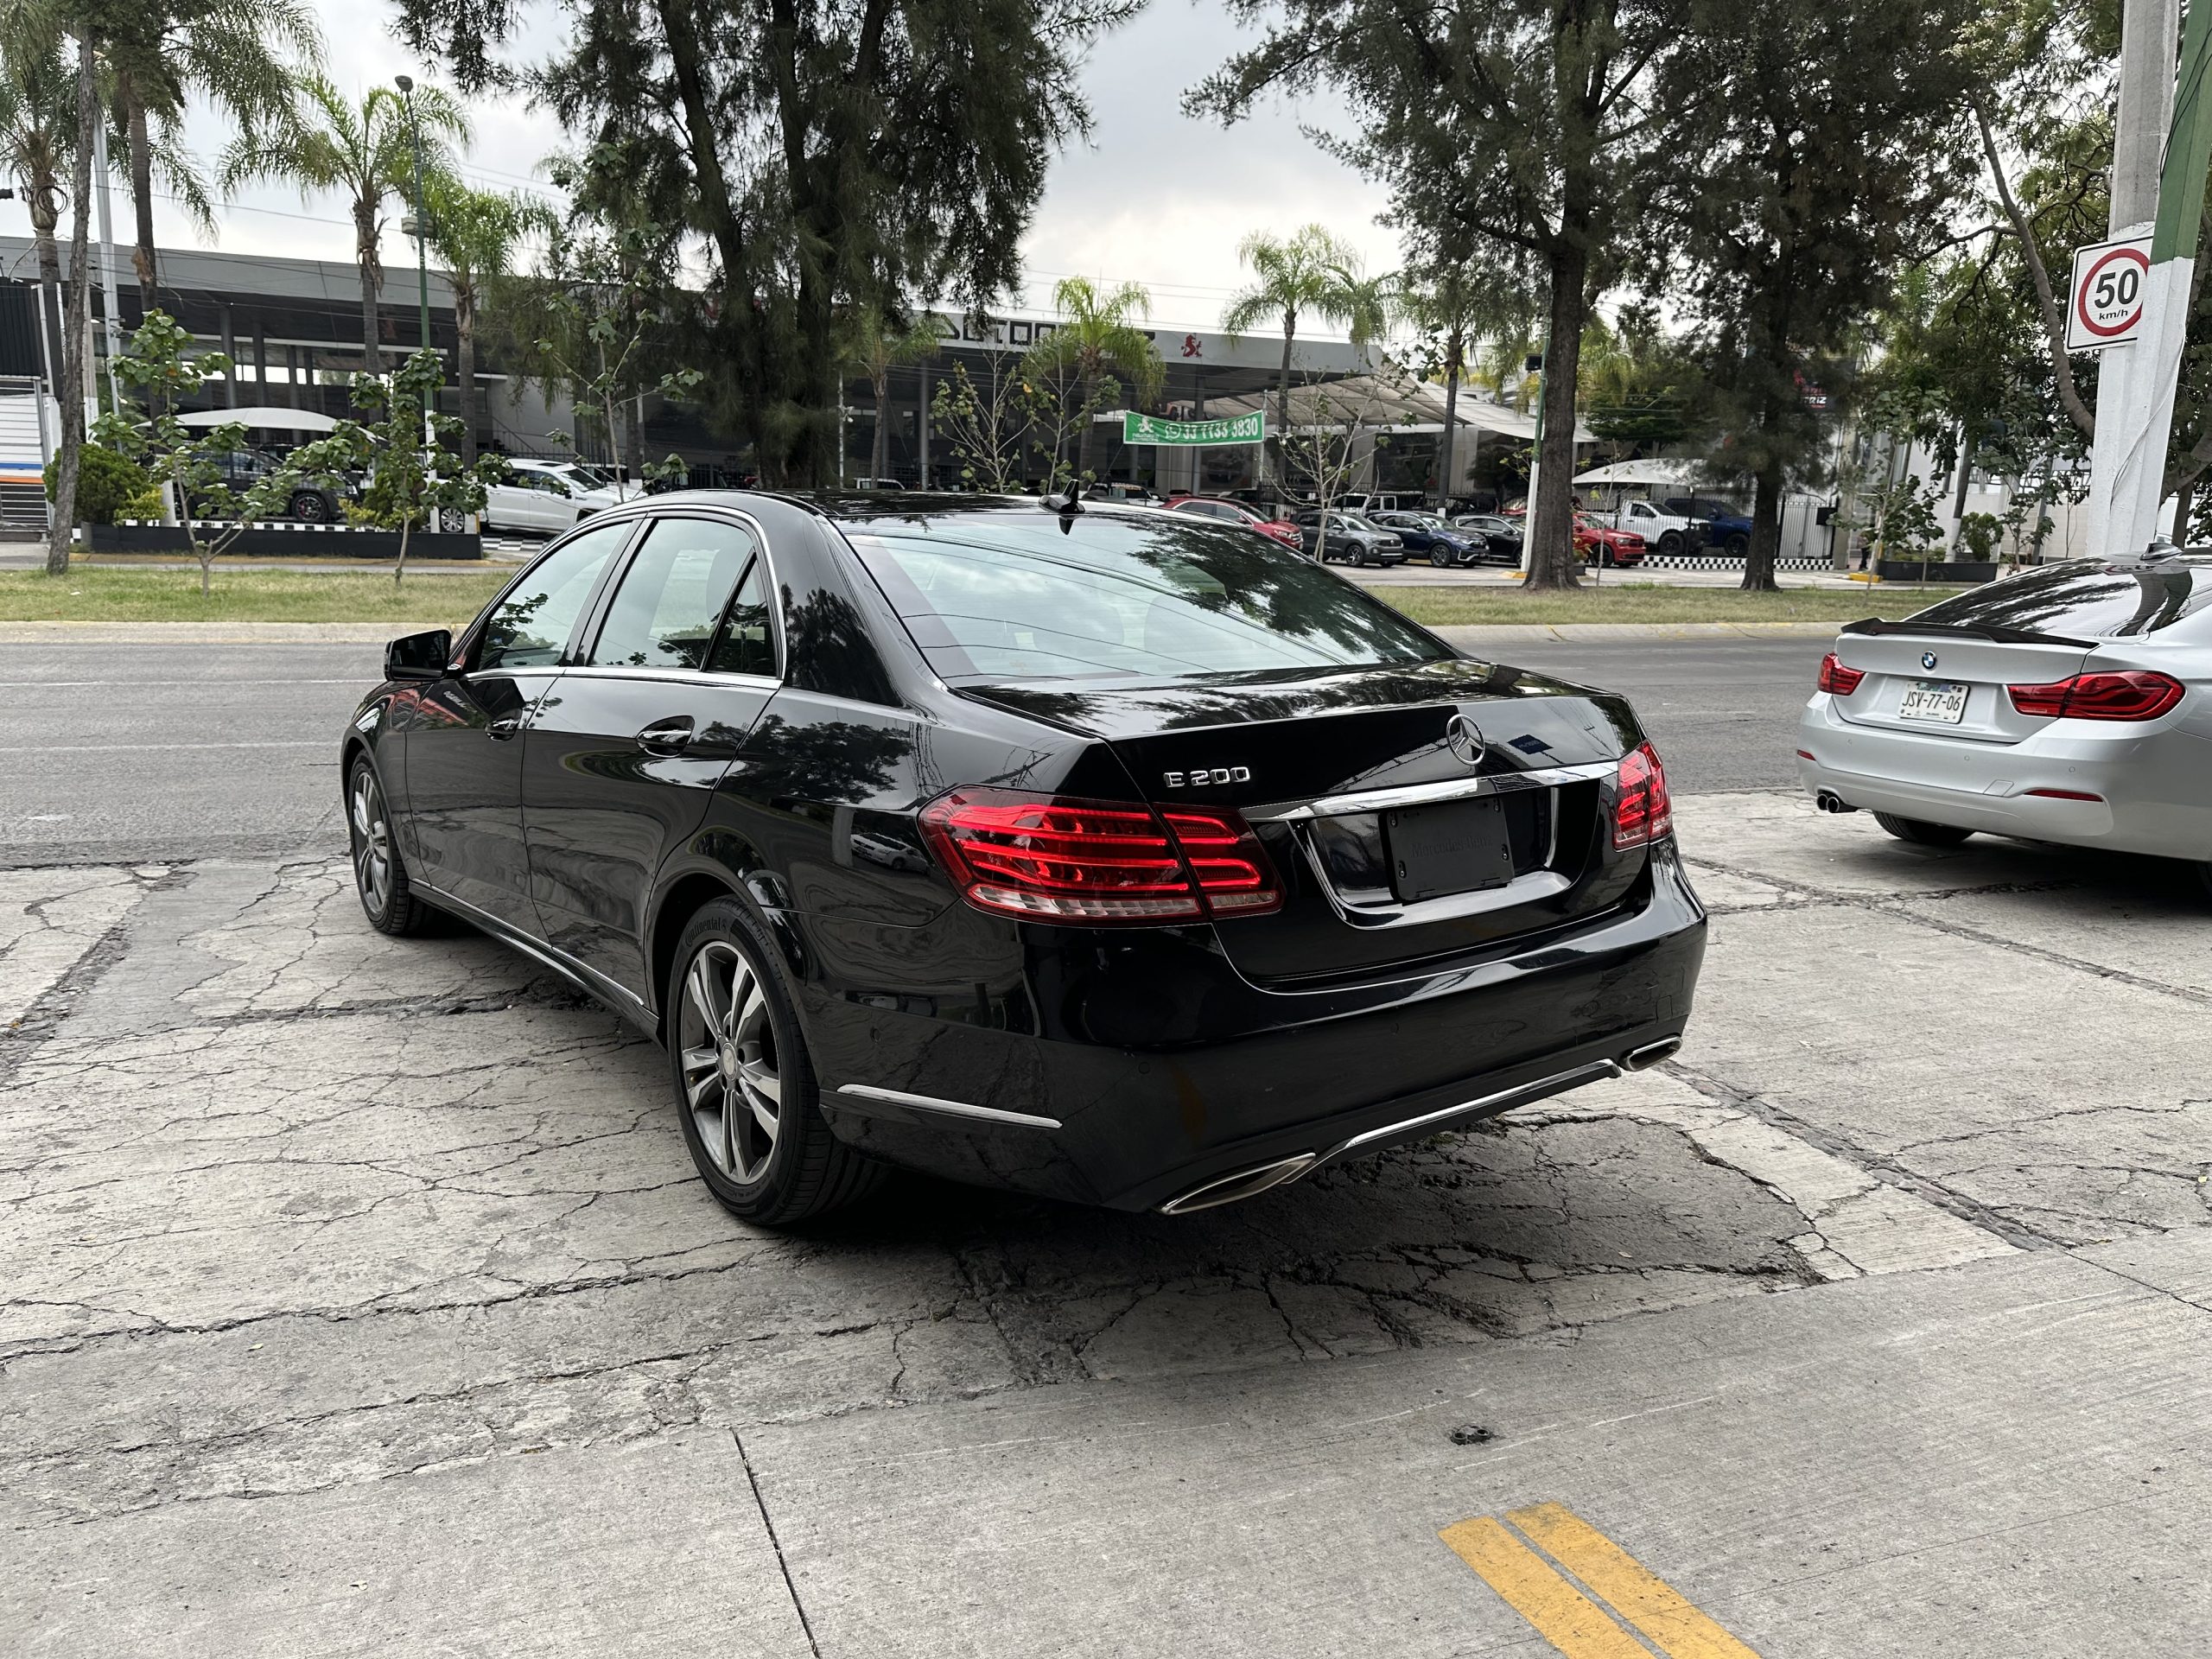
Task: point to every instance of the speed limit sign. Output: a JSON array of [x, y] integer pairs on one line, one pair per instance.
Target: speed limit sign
[[2105, 306]]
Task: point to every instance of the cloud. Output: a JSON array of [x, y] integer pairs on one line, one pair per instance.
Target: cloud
[[1153, 196]]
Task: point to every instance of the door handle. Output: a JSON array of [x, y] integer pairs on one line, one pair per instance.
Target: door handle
[[503, 728], [670, 736]]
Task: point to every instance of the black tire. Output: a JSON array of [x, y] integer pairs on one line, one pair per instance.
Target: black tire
[[1921, 832], [379, 874], [769, 1177], [1738, 545], [1671, 543], [309, 507]]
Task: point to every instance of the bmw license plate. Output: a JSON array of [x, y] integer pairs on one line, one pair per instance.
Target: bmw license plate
[[1943, 702]]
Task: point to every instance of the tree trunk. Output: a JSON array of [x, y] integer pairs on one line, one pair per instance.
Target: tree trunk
[[2183, 504], [1958, 502], [1451, 348], [464, 329], [1766, 513], [878, 461], [1282, 409], [142, 200], [1082, 432], [1550, 528], [78, 322], [400, 568], [364, 255]]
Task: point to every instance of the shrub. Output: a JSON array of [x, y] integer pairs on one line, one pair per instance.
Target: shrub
[[106, 483], [1978, 534]]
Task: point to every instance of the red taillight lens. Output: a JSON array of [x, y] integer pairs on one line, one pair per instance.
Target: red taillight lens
[[2135, 693], [1642, 812], [1051, 858], [1838, 679]]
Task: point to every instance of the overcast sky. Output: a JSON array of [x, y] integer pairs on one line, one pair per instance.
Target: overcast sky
[[1151, 197]]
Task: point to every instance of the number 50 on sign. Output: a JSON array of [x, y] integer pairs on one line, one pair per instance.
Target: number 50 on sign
[[2104, 307]]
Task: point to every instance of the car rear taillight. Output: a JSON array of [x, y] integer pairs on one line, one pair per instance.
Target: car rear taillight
[[2135, 693], [1641, 811], [1054, 858], [1838, 679]]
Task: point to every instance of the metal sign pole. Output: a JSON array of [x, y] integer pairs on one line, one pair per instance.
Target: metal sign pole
[[2131, 447]]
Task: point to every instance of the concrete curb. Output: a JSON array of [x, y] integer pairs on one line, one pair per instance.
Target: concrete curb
[[1483, 633], [201, 634]]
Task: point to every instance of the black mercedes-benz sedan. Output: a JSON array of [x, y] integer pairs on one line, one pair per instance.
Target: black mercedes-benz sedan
[[1089, 850]]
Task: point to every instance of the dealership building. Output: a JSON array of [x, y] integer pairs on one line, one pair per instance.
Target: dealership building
[[293, 329]]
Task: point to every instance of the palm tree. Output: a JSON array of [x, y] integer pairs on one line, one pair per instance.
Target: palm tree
[[475, 233], [38, 139], [875, 346], [1313, 273], [1095, 337], [364, 149], [1457, 307], [236, 54]]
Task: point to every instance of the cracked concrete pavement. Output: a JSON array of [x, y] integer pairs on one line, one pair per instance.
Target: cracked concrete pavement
[[359, 1298]]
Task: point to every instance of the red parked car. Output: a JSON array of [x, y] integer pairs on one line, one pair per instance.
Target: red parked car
[[1603, 544], [1236, 512]]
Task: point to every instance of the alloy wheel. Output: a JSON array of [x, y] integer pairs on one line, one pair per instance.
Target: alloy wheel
[[372, 841], [731, 1084]]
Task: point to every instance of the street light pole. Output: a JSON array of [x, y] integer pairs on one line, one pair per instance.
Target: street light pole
[[406, 84]]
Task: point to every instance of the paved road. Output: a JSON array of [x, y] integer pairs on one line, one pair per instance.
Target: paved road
[[116, 752], [357, 1296]]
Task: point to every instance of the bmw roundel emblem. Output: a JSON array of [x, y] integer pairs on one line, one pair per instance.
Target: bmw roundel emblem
[[1464, 739], [1928, 659]]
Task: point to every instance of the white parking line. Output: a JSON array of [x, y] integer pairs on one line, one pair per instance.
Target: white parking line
[[152, 748]]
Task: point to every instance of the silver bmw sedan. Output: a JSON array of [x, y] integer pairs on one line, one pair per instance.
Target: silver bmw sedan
[[2072, 704]]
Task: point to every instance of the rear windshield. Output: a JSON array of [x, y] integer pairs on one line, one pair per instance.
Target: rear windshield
[[999, 597], [2086, 599]]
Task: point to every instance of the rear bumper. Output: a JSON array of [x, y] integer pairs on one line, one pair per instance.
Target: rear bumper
[[2143, 780], [1137, 1127]]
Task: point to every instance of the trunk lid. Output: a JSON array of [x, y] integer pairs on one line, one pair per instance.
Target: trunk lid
[[1391, 847], [1901, 663]]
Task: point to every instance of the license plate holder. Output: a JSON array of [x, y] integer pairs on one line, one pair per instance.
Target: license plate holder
[[1939, 703], [1455, 846]]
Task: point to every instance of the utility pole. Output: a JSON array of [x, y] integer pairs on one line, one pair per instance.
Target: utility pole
[[2131, 452], [109, 302], [406, 84], [2126, 374]]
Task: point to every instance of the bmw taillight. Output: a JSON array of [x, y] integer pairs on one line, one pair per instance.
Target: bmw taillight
[[1642, 812], [1836, 678], [1054, 858], [2135, 693]]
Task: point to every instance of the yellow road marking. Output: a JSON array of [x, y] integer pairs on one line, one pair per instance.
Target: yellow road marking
[[1638, 1594], [1562, 1615]]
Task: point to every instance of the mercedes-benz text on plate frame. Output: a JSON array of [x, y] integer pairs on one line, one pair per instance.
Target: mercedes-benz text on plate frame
[[2065, 704], [1112, 855]]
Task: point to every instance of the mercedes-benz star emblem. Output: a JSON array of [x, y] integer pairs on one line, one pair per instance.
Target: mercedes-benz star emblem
[[1928, 659], [1465, 739]]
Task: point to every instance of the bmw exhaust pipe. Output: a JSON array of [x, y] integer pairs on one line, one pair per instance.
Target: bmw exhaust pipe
[[1829, 801]]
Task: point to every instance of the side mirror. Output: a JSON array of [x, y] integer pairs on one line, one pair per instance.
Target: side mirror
[[419, 656]]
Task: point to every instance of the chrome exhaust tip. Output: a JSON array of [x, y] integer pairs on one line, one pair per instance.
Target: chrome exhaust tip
[[1829, 801], [1643, 1059], [1244, 1183]]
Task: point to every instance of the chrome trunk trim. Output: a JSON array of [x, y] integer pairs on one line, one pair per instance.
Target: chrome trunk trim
[[1452, 789]]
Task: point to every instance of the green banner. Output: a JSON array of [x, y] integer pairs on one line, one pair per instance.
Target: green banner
[[1151, 429]]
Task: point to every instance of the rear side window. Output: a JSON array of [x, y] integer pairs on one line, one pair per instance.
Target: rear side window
[[2085, 599], [997, 597], [746, 646], [665, 613], [531, 626]]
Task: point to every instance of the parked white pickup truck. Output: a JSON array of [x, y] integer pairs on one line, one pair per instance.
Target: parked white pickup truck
[[1663, 531]]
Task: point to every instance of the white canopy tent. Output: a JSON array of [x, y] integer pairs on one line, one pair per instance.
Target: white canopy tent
[[1679, 473], [267, 416]]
